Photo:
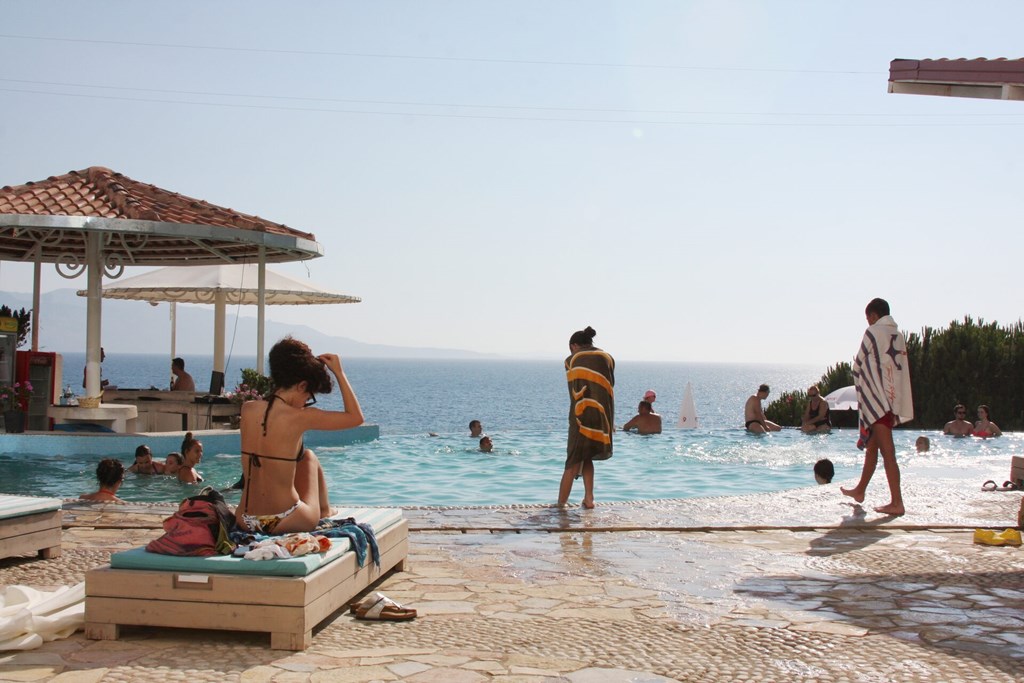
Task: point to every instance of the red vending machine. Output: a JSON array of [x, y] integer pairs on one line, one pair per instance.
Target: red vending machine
[[44, 369]]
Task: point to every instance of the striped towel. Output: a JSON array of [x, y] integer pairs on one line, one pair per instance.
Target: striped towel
[[881, 373]]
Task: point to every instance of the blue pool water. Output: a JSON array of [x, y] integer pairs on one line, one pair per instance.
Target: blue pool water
[[523, 406], [525, 467]]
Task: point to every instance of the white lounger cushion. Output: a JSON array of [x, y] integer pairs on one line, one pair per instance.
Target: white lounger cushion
[[19, 506]]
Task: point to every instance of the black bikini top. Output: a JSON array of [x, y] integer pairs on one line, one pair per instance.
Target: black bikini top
[[254, 458]]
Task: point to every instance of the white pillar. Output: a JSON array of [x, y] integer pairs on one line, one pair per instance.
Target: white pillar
[[219, 313], [261, 301], [174, 332], [37, 275], [94, 311]]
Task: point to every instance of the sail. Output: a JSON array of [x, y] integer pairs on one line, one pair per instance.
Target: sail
[[688, 411]]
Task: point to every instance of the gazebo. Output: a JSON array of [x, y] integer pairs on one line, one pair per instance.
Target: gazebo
[[99, 221]]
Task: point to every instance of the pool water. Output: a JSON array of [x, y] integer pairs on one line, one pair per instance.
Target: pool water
[[525, 467]]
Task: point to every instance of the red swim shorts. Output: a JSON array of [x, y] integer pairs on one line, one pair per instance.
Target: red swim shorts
[[886, 420]]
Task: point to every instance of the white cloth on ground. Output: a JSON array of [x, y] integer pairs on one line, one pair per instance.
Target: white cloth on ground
[[30, 617], [881, 373]]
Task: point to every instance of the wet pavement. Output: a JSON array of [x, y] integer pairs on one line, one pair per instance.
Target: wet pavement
[[798, 585]]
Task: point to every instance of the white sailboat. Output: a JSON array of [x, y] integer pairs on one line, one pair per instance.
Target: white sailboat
[[688, 411]]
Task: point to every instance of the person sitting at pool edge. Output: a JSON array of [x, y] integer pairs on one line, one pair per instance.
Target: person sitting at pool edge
[[816, 418], [485, 444], [984, 426], [753, 414], [191, 454], [475, 428], [144, 462], [110, 475], [646, 421], [958, 426]]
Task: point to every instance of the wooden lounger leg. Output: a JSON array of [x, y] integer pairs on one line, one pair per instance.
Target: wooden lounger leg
[[290, 641], [49, 553], [102, 631], [403, 565]]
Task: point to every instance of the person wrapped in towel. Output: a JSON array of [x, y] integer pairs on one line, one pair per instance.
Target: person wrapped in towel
[[881, 373], [590, 373]]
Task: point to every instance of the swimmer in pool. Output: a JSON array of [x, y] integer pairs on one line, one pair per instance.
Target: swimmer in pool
[[173, 463], [110, 474], [144, 462], [485, 444], [646, 421]]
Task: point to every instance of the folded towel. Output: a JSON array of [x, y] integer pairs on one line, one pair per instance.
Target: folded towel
[[881, 373], [29, 617]]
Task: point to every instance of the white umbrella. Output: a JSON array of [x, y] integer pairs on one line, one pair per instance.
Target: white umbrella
[[220, 285], [843, 399]]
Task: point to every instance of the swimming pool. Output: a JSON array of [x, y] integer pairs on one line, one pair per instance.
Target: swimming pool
[[525, 467]]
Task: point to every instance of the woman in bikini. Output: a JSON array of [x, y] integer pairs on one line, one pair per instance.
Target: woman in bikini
[[285, 490], [110, 474], [191, 453], [984, 427]]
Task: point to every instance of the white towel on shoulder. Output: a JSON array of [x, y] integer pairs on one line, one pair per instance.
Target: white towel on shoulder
[[881, 372]]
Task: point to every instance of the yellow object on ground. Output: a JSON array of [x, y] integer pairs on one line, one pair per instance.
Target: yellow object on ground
[[990, 537]]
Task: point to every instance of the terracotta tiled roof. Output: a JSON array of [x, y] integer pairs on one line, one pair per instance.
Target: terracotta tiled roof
[[102, 193], [142, 224]]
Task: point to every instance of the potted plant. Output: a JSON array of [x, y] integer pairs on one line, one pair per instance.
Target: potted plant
[[14, 399]]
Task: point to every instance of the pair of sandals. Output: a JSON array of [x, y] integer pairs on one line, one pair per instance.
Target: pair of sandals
[[1007, 486], [379, 607]]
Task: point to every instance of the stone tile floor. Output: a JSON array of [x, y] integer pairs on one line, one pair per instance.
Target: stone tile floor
[[799, 585]]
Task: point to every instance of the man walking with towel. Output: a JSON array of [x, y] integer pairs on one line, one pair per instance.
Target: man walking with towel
[[881, 374]]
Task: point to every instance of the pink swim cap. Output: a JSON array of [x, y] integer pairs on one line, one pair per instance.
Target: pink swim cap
[[650, 396]]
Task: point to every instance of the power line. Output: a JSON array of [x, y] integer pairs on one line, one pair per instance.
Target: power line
[[495, 117], [482, 60], [463, 105]]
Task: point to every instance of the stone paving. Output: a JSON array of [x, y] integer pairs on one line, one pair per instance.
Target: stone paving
[[801, 585]]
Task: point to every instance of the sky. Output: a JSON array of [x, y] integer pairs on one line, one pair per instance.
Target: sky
[[705, 181]]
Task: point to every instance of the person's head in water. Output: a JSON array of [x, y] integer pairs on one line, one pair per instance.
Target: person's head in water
[[922, 444], [109, 473], [650, 396], [644, 408], [486, 445], [173, 463], [475, 428], [824, 471], [581, 339], [292, 362]]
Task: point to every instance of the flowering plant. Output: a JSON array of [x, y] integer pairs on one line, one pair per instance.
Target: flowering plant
[[243, 393], [15, 396]]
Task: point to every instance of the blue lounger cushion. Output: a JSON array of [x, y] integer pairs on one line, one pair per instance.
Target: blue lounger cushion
[[19, 506], [137, 558]]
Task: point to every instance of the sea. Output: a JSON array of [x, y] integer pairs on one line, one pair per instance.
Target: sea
[[425, 456]]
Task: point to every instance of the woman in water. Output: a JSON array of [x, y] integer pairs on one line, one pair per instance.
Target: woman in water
[[191, 453], [285, 490], [591, 376], [110, 474], [984, 426]]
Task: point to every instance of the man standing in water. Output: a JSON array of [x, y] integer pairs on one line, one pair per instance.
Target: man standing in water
[[881, 374], [591, 376]]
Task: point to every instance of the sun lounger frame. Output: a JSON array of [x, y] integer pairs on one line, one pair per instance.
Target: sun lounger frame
[[37, 532], [286, 607]]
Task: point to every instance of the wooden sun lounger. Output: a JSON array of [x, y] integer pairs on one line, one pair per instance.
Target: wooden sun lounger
[[288, 607], [29, 524]]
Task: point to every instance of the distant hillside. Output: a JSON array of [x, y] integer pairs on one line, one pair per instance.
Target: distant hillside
[[134, 327]]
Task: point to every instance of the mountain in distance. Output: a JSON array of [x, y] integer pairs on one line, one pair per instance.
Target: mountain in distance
[[134, 327]]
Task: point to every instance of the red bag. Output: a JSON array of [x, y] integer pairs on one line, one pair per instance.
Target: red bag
[[196, 529]]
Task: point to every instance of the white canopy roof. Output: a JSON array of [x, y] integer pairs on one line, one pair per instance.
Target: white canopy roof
[[237, 282]]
